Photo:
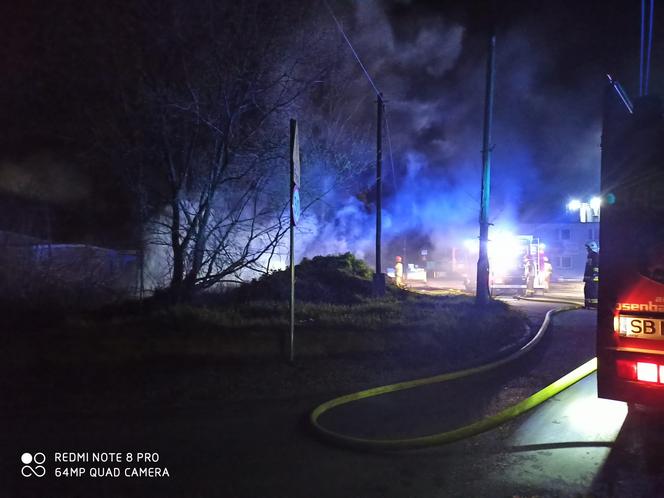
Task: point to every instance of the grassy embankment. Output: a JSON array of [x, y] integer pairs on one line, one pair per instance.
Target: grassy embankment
[[335, 315]]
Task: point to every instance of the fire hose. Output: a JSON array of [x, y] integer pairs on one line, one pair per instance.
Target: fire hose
[[483, 425]]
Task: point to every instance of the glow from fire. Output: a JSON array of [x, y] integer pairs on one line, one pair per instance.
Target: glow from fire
[[505, 251]]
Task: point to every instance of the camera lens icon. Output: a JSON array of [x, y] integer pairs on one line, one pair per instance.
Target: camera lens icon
[[36, 470]]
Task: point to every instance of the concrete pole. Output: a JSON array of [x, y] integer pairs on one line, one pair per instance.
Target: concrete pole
[[483, 291]]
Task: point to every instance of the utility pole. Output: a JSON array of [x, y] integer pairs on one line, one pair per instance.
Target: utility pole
[[294, 218], [379, 277], [483, 291]]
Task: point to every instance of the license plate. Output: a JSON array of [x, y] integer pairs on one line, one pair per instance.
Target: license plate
[[641, 327]]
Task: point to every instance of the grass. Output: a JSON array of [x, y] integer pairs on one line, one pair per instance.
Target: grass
[[335, 315], [411, 325]]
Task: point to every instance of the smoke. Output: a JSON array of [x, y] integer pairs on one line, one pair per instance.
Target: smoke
[[432, 72], [43, 178]]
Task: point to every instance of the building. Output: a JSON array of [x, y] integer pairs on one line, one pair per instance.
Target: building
[[30, 266], [564, 245]]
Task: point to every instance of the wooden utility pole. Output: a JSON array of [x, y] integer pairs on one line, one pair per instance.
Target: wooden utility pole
[[483, 292], [294, 218]]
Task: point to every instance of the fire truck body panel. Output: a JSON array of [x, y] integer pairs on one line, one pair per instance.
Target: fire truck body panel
[[630, 329]]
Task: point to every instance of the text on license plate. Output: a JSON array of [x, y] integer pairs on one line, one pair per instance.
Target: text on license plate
[[641, 327]]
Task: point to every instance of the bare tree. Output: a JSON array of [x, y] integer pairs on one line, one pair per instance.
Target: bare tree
[[187, 107], [202, 128]]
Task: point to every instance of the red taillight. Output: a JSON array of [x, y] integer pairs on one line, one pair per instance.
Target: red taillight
[[647, 372], [640, 370], [626, 369]]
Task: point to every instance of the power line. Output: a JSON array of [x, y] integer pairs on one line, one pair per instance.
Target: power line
[[379, 277], [350, 45], [389, 144], [394, 177]]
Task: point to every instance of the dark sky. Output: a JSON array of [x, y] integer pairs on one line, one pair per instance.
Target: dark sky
[[428, 57]]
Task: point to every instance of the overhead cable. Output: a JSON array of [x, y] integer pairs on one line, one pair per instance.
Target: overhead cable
[[389, 144], [350, 45]]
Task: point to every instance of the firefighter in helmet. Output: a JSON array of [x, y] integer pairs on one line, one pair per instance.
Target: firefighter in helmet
[[398, 272], [548, 271], [591, 275]]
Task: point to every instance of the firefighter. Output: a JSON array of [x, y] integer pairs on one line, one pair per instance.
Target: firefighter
[[398, 272], [529, 273], [591, 275], [548, 271]]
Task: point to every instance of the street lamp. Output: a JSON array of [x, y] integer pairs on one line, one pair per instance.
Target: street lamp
[[574, 205], [588, 211]]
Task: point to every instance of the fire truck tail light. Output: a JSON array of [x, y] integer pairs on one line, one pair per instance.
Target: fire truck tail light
[[626, 369], [647, 372], [640, 370]]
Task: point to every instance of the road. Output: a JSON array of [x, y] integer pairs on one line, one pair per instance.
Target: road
[[573, 445]]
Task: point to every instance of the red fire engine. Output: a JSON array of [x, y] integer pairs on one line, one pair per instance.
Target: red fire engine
[[630, 333]]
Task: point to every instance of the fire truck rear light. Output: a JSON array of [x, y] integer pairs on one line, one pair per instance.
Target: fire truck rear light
[[626, 369], [640, 370], [647, 372]]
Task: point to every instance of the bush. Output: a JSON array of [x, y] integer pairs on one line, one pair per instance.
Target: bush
[[334, 279]]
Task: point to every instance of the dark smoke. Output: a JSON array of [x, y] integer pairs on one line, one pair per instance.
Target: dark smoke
[[431, 69]]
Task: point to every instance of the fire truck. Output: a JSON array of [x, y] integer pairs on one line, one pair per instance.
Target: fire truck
[[512, 259], [630, 326]]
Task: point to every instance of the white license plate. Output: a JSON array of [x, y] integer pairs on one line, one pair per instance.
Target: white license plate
[[641, 327]]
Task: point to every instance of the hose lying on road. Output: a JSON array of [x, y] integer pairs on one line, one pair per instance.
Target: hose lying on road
[[461, 432]]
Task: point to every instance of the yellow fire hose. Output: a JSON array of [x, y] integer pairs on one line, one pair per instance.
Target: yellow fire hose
[[461, 432]]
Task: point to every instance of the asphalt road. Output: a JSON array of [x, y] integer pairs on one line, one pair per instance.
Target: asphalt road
[[572, 445]]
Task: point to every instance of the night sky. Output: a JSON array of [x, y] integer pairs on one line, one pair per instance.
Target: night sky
[[428, 58]]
